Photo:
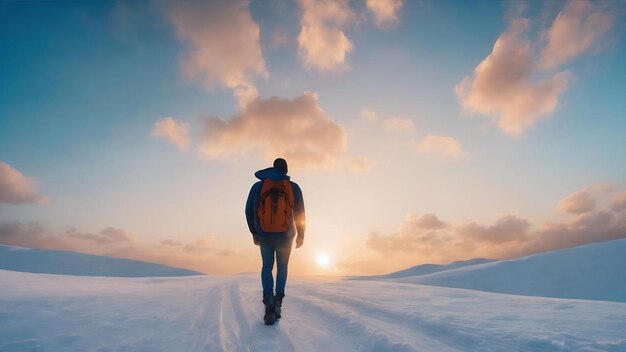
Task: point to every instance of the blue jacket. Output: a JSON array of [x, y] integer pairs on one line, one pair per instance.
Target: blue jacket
[[298, 222]]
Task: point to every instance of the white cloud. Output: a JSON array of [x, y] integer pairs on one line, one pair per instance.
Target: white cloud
[[174, 131], [323, 44], [223, 45], [443, 146], [384, 11], [296, 129], [575, 30], [15, 188]]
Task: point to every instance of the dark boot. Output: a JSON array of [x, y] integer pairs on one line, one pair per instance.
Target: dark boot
[[278, 303], [270, 310]]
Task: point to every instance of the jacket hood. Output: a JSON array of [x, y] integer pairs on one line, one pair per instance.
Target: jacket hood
[[271, 173]]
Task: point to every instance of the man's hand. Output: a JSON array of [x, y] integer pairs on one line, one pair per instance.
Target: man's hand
[[255, 239], [299, 241]]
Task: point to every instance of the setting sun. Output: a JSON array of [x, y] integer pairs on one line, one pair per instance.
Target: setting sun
[[322, 260]]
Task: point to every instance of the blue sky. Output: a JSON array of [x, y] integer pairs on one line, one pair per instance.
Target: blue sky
[[82, 85]]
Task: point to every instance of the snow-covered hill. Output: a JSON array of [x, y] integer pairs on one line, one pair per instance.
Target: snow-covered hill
[[424, 269], [594, 271], [41, 312], [72, 263]]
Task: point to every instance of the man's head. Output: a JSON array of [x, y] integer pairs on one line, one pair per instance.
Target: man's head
[[281, 165]]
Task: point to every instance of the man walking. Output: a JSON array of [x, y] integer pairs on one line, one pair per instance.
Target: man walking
[[275, 212]]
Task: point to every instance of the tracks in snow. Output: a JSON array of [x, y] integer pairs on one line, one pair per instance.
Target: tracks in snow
[[229, 318]]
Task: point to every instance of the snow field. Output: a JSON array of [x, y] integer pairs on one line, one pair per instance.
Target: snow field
[[41, 312]]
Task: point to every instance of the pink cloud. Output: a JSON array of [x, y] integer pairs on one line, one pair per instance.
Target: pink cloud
[[399, 124], [579, 26], [202, 255], [323, 44], [384, 11], [619, 202], [516, 85], [15, 188], [174, 131], [359, 165], [296, 129], [503, 84], [506, 229], [509, 236], [442, 146], [368, 115], [210, 29], [580, 202]]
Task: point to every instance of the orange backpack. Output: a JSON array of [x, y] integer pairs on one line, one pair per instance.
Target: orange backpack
[[275, 205]]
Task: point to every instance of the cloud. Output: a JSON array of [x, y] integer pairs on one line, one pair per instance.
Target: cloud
[[393, 124], [223, 44], [443, 146], [368, 115], [359, 165], [507, 228], [35, 235], [171, 243], [574, 31], [15, 188], [106, 236], [399, 124], [503, 84], [417, 235], [619, 202], [518, 86], [201, 255], [427, 221], [580, 202], [322, 42], [510, 236], [384, 11], [176, 132], [296, 129]]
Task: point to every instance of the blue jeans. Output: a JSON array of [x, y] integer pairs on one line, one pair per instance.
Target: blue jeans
[[281, 248]]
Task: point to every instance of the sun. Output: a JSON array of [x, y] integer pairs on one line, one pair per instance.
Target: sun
[[322, 260]]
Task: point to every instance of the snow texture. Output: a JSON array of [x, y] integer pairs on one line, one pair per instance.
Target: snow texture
[[595, 271], [41, 312], [71, 263], [44, 312]]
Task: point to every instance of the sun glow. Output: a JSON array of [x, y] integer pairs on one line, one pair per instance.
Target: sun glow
[[322, 260]]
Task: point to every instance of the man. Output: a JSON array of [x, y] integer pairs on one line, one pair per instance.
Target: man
[[275, 212]]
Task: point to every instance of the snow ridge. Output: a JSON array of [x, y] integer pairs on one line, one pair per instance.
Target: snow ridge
[[72, 263], [595, 271]]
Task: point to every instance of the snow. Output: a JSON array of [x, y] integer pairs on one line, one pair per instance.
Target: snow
[[594, 271], [424, 269], [42, 312], [46, 312], [71, 263]]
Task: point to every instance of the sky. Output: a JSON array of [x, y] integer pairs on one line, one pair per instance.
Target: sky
[[419, 131]]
